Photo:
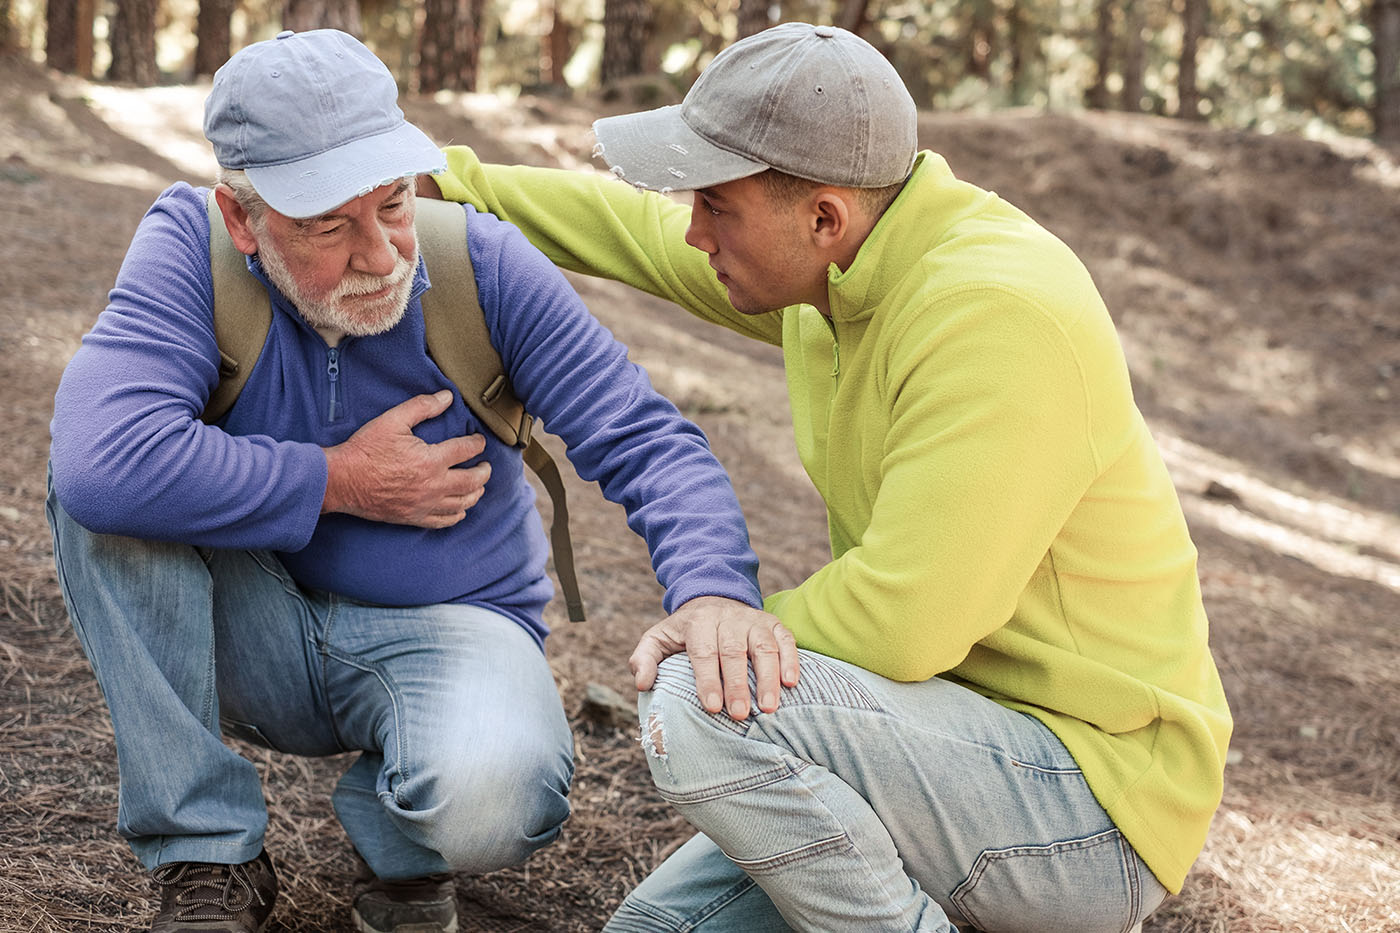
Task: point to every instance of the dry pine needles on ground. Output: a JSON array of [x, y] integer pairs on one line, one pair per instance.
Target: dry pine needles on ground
[[1253, 282]]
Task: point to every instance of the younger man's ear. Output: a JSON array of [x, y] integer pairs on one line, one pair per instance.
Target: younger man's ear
[[830, 217], [236, 220]]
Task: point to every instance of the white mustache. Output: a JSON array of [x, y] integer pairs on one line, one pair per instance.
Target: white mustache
[[362, 283]]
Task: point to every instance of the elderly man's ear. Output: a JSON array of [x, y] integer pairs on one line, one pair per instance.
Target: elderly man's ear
[[236, 220], [427, 187]]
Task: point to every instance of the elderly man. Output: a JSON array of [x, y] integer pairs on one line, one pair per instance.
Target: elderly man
[[345, 560], [1008, 718]]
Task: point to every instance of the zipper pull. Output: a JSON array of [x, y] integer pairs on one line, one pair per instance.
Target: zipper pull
[[333, 373]]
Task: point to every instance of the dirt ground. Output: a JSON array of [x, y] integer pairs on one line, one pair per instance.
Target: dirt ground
[[1256, 284]]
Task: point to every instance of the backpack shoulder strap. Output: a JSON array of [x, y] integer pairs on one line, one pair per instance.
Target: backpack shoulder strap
[[460, 344], [242, 316]]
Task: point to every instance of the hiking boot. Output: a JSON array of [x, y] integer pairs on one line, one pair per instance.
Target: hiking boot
[[204, 897], [415, 905]]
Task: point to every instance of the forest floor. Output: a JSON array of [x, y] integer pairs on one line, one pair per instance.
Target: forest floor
[[1256, 284]]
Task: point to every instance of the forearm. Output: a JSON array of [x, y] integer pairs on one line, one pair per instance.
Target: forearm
[[597, 225], [163, 475], [574, 376]]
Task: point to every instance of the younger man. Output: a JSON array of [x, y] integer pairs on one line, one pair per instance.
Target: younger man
[[1008, 716]]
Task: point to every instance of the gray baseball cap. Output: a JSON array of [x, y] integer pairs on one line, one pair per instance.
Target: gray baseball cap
[[817, 102], [313, 119]]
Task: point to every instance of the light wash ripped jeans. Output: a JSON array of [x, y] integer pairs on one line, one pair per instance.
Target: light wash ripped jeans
[[866, 805], [466, 754]]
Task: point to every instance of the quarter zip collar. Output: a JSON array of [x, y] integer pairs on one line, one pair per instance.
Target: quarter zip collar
[[932, 201]]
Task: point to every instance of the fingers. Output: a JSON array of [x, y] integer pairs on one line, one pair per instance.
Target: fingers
[[734, 672], [703, 649], [655, 645], [775, 664], [457, 450], [767, 676], [723, 638], [643, 663], [417, 409]]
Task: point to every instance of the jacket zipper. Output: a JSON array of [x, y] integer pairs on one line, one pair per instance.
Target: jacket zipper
[[333, 374]]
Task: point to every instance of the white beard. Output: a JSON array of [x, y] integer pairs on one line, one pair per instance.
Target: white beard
[[340, 310]]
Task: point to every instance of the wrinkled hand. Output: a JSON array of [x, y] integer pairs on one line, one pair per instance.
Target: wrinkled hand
[[722, 636], [387, 474]]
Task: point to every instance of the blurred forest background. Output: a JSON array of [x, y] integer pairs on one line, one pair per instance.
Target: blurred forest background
[[1229, 170], [1307, 66]]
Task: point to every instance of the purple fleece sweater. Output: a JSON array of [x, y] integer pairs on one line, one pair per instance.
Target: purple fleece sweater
[[130, 456]]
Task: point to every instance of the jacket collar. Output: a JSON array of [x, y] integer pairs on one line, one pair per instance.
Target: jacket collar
[[932, 201]]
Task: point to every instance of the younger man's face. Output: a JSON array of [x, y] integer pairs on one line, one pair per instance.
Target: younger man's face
[[758, 245]]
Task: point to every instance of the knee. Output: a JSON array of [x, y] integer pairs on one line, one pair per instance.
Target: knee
[[677, 729], [490, 814]]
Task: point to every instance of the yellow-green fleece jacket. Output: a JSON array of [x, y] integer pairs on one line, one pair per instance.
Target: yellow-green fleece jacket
[[999, 513]]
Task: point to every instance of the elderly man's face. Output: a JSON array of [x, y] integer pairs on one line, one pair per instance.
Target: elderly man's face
[[350, 270]]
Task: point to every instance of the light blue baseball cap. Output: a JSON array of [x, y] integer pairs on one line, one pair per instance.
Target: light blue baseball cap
[[313, 119]]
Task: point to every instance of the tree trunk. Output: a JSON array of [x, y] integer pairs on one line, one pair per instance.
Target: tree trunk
[[1385, 44], [68, 27], [305, 15], [1134, 55], [981, 39], [557, 47], [449, 45], [1018, 35], [753, 16], [853, 14], [1193, 28], [1098, 96], [213, 32], [134, 43], [625, 27]]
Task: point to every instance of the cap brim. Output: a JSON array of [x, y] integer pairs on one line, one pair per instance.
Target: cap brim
[[311, 187], [656, 149]]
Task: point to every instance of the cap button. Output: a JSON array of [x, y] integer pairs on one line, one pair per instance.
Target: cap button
[[285, 34], [826, 32]]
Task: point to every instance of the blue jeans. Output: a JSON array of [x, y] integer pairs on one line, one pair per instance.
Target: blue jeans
[[867, 805], [465, 752]]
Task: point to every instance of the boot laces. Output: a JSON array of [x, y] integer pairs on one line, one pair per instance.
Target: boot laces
[[207, 891]]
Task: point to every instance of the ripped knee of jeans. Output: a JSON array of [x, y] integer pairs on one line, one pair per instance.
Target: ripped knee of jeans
[[654, 733]]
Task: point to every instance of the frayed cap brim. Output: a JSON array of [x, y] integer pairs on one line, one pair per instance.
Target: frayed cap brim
[[657, 150]]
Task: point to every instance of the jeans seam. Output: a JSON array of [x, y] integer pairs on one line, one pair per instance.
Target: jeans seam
[[987, 857], [730, 788], [800, 854], [401, 756], [655, 913], [274, 568], [1130, 868], [211, 688], [327, 654], [65, 588], [1017, 763], [686, 924]]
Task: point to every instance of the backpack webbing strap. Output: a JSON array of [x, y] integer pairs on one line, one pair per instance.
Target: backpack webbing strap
[[461, 346], [456, 337], [244, 316]]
